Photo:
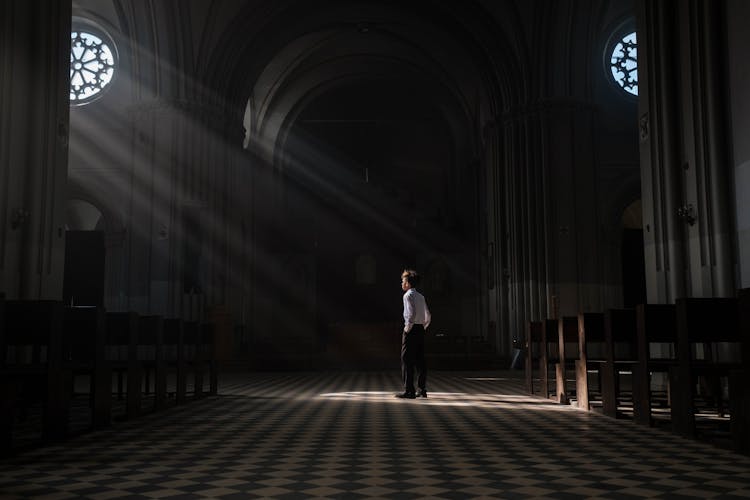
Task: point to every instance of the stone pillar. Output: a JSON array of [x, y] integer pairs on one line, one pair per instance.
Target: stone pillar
[[738, 11], [524, 241], [34, 97], [551, 212], [572, 206], [685, 172], [262, 208], [497, 249], [152, 220], [239, 238], [179, 226]]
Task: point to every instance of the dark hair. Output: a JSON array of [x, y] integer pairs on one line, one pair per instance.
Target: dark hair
[[412, 277]]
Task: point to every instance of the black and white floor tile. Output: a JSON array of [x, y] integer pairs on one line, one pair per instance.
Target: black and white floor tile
[[344, 435]]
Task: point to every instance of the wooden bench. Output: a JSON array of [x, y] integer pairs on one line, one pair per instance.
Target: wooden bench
[[740, 380], [193, 355], [83, 350], [702, 323], [552, 353], [151, 358], [567, 340], [31, 368], [621, 354], [536, 356], [122, 355], [208, 355], [655, 324], [200, 357], [174, 356], [591, 355]]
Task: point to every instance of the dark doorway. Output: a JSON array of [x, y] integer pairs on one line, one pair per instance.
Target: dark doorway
[[633, 268], [83, 281], [633, 257], [369, 173], [370, 178]]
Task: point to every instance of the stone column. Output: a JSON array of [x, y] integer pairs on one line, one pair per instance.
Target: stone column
[[523, 243], [34, 97], [152, 221], [179, 223], [497, 267], [738, 11], [261, 209], [572, 206], [550, 210], [239, 236], [685, 172]]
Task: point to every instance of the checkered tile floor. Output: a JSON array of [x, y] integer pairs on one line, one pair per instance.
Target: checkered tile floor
[[344, 435]]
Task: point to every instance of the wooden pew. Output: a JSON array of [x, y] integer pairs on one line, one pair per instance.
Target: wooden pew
[[655, 323], [200, 357], [31, 367], [552, 351], [208, 356], [739, 383], [83, 344], [174, 356], [706, 322], [122, 355], [567, 337], [591, 342], [193, 355], [151, 358], [536, 356], [621, 354]]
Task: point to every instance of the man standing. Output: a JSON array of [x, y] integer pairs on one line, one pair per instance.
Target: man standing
[[416, 320]]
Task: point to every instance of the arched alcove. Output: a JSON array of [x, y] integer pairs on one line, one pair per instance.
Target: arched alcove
[[373, 168], [373, 145], [83, 216], [84, 275]]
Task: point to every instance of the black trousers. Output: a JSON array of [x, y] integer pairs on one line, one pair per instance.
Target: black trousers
[[412, 356]]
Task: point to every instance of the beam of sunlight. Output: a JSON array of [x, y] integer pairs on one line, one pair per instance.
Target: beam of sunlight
[[147, 183], [457, 399]]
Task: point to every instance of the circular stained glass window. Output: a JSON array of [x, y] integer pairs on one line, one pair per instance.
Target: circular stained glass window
[[92, 66], [624, 64]]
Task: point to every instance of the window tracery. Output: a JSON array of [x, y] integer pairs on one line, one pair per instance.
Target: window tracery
[[624, 63], [92, 66]]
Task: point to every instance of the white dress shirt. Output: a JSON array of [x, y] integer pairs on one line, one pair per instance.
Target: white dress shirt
[[415, 310]]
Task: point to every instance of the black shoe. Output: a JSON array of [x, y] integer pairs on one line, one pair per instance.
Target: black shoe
[[422, 393], [406, 395]]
